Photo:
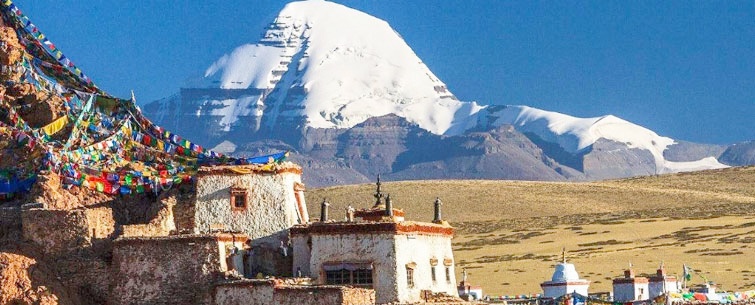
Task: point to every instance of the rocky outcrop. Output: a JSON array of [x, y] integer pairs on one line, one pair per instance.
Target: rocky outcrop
[[683, 151], [24, 281], [609, 159], [739, 154]]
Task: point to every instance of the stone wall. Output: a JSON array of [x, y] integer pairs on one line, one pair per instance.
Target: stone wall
[[60, 232], [165, 270], [57, 232], [271, 204], [183, 211], [244, 292], [161, 225], [264, 292], [101, 222], [10, 223], [89, 277]]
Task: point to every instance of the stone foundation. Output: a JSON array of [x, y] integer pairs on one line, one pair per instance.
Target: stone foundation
[[57, 232], [263, 292], [166, 270], [10, 223]]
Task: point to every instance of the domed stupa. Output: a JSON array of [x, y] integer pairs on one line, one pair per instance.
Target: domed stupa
[[565, 280]]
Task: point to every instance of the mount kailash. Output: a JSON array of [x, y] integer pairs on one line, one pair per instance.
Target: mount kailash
[[350, 98]]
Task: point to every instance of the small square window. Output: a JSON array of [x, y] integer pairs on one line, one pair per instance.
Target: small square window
[[238, 199]]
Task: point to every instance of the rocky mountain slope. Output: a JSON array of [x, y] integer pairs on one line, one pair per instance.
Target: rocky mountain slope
[[352, 99]]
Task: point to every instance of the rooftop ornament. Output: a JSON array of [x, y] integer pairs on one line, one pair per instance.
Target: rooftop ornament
[[388, 206], [324, 210], [437, 217], [378, 195]]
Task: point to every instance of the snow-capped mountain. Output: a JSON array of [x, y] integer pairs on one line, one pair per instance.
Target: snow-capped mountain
[[575, 135], [322, 75], [336, 67]]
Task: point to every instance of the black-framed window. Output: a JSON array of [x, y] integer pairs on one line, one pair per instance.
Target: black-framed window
[[432, 274], [362, 277], [355, 274], [338, 277]]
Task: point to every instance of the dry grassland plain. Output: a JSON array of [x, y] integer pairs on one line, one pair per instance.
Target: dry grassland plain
[[510, 233]]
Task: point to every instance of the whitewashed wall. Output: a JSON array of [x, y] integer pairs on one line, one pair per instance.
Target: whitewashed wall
[[375, 248], [225, 249], [271, 205], [419, 249], [557, 291], [302, 255], [625, 292], [657, 288]]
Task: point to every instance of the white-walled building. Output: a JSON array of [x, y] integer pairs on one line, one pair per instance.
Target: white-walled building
[[378, 249], [565, 280], [630, 287], [661, 283], [468, 291], [261, 201], [258, 200]]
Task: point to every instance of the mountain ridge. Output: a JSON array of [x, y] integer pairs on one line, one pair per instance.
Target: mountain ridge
[[314, 78]]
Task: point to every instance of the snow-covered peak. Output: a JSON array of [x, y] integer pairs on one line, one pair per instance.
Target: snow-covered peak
[[337, 67], [323, 65], [575, 134]]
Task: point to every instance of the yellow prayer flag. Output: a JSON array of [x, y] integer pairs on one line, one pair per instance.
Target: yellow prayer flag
[[56, 125]]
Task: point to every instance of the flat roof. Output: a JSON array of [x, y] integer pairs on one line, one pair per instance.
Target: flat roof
[[221, 236], [276, 168], [373, 227]]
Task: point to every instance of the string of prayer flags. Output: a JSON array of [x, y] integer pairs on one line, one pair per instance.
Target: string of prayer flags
[[41, 40]]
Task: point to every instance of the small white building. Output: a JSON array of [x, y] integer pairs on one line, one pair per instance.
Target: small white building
[[467, 291], [376, 248], [662, 283], [565, 280], [261, 201], [630, 287], [258, 200]]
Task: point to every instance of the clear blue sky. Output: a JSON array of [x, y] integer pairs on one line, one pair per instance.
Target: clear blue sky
[[685, 69]]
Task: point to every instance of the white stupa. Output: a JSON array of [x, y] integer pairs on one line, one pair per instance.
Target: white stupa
[[565, 280]]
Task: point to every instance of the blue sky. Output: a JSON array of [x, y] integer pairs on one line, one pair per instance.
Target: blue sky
[[685, 69]]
